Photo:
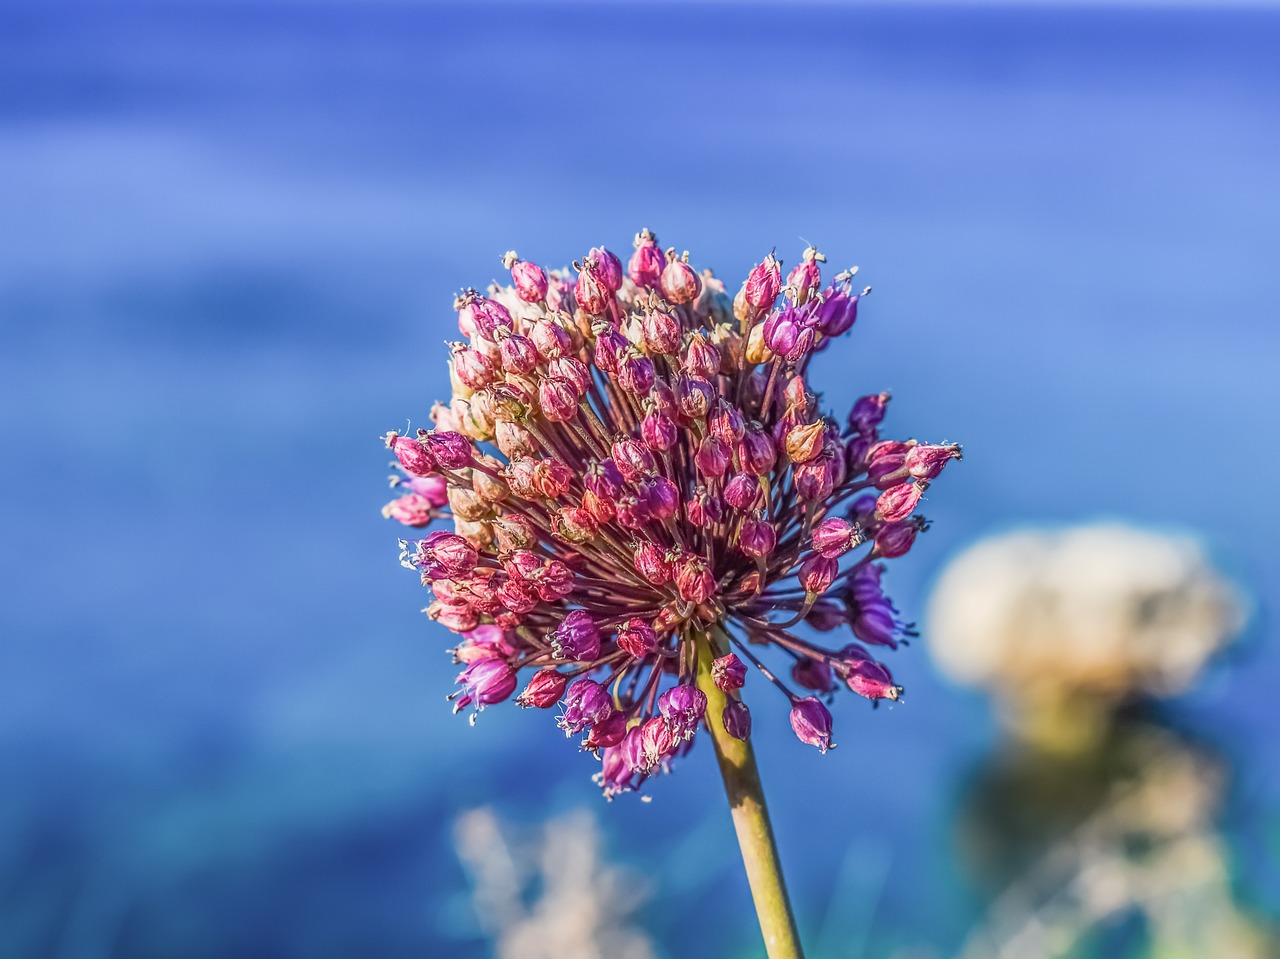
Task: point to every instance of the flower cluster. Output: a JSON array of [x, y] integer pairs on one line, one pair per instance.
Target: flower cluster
[[638, 473]]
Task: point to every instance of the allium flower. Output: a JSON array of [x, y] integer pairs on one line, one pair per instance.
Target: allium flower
[[647, 497]]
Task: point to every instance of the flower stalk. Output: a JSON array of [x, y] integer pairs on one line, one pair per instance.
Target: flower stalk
[[742, 786]]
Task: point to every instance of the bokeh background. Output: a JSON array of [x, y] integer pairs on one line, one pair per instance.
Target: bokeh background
[[230, 234]]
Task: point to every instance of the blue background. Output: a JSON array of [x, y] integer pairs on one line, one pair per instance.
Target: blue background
[[229, 239]]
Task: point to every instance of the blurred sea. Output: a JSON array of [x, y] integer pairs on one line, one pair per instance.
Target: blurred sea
[[229, 238]]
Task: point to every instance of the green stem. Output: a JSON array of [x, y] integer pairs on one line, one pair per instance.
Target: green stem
[[750, 816]]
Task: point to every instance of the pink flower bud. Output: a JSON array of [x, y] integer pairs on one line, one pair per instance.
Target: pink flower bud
[[647, 263], [456, 617], [473, 368], [763, 284], [701, 358], [895, 539], [728, 672], [410, 509], [834, 537], [518, 354], [737, 719], [611, 348], [898, 502], [726, 422], [444, 554], [558, 400], [591, 294], [712, 457], [806, 276], [651, 563], [757, 538], [837, 313], [657, 740], [683, 707], [483, 316], [413, 456], [577, 637], [550, 339], [634, 460], [694, 582], [586, 703], [744, 492], [573, 524], [804, 442], [680, 284], [703, 509], [660, 332], [637, 638], [659, 498], [871, 679], [816, 479], [529, 279], [781, 330], [600, 508], [544, 689], [607, 732], [551, 478], [693, 396], [513, 532], [658, 431], [604, 479], [813, 674], [811, 722], [606, 267], [632, 512], [451, 450], [925, 462], [756, 452], [485, 682], [434, 488], [635, 374], [817, 572]]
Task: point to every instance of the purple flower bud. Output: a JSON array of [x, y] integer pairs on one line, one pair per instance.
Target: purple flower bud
[[816, 479], [806, 276], [701, 358], [529, 279], [763, 284], [637, 638], [694, 582], [703, 509], [658, 431], [650, 562], [410, 509], [813, 674], [925, 462], [634, 460], [451, 450], [712, 457], [647, 263], [632, 747], [577, 638], [632, 512], [871, 679], [834, 537], [682, 707], [737, 719], [868, 412], [781, 330], [550, 339], [413, 456], [586, 703], [757, 538], [610, 349], [680, 284], [486, 316], [804, 442], [756, 452], [518, 354], [635, 374], [728, 672], [558, 399], [898, 502], [693, 396], [838, 313], [658, 741], [434, 488], [485, 682], [895, 539], [811, 722], [744, 492], [726, 422], [473, 368], [444, 554], [659, 497], [817, 572], [544, 689], [608, 732], [572, 369], [604, 479], [802, 347], [660, 332]]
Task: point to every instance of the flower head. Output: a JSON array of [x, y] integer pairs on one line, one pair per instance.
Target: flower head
[[638, 472]]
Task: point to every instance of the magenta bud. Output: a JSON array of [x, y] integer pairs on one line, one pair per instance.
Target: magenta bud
[[816, 573], [756, 452], [479, 315], [782, 330], [816, 479], [651, 563], [636, 374], [837, 313], [451, 450], [557, 399], [925, 462], [606, 733], [573, 370], [634, 460], [811, 722], [871, 679], [683, 707], [659, 498], [443, 554], [476, 370], [637, 638], [586, 703], [544, 689], [434, 488], [577, 638], [737, 719], [868, 412], [413, 456], [726, 422], [834, 537], [411, 509], [728, 672], [898, 502], [647, 263], [757, 538], [550, 339], [712, 457], [658, 431], [680, 284], [826, 615], [660, 332], [693, 396], [485, 682], [518, 354], [701, 357], [806, 276], [703, 509], [590, 294], [813, 674], [657, 741], [764, 282], [744, 492], [529, 279], [610, 349], [604, 479], [694, 582], [895, 539]]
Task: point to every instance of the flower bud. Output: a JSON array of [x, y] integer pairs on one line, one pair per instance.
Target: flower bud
[[834, 537], [898, 502], [805, 277], [659, 498], [451, 450], [600, 508], [456, 617], [434, 488], [529, 279], [586, 703], [693, 396], [763, 284], [657, 740], [518, 354], [869, 678], [513, 440], [868, 412], [544, 689], [635, 374], [558, 400], [680, 284], [445, 554], [410, 509], [551, 478], [816, 573], [647, 263], [473, 368], [607, 732], [485, 682], [634, 461], [757, 350], [813, 674], [590, 293], [650, 562], [756, 452], [816, 479], [837, 313], [804, 442], [573, 524], [726, 422], [781, 330], [757, 538], [513, 532], [737, 719], [683, 706], [701, 358], [694, 582], [413, 456], [550, 339], [482, 316], [637, 638], [658, 431], [811, 722], [660, 332], [703, 509], [611, 348], [728, 672], [895, 539], [712, 457], [744, 492], [925, 462], [577, 638]]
